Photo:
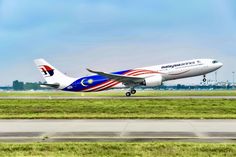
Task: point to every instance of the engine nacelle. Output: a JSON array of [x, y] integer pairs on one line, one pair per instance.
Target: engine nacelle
[[153, 81]]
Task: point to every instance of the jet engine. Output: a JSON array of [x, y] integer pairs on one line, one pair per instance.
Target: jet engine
[[153, 81]]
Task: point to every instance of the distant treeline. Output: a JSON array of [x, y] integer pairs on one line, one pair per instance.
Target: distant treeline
[[20, 86], [194, 87]]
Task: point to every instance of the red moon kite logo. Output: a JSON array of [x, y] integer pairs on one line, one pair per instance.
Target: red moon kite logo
[[48, 71]]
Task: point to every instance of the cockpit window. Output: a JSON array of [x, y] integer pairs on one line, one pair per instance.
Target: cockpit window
[[214, 62]]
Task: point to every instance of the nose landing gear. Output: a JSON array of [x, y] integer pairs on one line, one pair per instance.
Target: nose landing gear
[[132, 91], [204, 78]]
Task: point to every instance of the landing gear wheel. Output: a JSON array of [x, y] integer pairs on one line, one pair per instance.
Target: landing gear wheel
[[128, 94], [204, 78], [133, 91]]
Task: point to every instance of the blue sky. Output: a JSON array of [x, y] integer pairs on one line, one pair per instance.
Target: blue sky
[[111, 35]]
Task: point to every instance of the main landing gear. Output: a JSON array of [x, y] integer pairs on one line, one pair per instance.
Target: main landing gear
[[132, 91], [204, 78]]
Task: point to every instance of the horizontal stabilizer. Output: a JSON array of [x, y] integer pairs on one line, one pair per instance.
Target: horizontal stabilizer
[[55, 85]]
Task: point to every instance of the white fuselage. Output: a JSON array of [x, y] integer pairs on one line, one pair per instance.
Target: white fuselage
[[147, 76], [179, 70]]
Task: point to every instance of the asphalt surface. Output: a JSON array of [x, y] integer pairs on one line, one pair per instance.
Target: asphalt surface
[[123, 97], [117, 130]]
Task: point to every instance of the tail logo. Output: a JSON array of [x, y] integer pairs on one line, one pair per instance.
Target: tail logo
[[47, 71]]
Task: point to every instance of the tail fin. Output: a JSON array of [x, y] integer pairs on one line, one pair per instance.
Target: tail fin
[[52, 75]]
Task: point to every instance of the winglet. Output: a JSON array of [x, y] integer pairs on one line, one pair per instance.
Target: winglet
[[91, 70]]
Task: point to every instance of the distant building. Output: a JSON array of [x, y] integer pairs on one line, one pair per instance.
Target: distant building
[[17, 85]]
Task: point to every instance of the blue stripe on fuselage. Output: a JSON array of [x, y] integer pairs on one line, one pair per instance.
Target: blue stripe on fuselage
[[89, 82]]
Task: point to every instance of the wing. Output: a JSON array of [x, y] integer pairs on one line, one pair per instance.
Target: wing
[[126, 80]]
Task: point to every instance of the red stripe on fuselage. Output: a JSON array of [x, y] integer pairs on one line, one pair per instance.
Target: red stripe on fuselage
[[109, 84]]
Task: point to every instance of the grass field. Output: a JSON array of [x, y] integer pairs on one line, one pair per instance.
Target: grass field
[[121, 93], [119, 109], [106, 149]]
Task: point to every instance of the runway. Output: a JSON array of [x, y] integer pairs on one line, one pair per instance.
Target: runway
[[111, 97], [117, 130]]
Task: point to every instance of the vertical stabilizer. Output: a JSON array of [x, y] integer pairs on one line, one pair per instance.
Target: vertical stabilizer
[[52, 75]]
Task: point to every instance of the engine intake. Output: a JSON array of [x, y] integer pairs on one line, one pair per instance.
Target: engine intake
[[153, 81]]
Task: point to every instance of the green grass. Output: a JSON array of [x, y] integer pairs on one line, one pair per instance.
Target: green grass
[[121, 149], [121, 93], [118, 109]]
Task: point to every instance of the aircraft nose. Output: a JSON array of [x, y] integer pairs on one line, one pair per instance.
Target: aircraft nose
[[220, 65]]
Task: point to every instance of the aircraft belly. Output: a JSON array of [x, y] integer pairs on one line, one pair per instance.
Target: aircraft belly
[[120, 85], [185, 73]]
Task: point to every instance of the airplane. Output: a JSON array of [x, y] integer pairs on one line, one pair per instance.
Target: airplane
[[147, 76]]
